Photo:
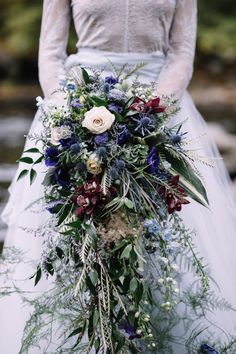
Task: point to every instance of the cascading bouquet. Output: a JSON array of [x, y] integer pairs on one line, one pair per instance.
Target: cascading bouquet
[[117, 175]]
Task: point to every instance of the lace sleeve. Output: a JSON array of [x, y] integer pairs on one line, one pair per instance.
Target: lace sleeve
[[53, 44], [177, 72]]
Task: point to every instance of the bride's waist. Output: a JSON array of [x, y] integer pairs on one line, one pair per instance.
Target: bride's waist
[[104, 60]]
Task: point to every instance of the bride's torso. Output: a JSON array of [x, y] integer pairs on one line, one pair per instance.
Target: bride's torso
[[123, 25]]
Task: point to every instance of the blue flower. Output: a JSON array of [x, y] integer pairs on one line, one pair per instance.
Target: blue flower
[[206, 349], [81, 167], [113, 107], [71, 86], [120, 165], [144, 125], [168, 236], [54, 207], [123, 136], [101, 152], [153, 160], [111, 80], [62, 177], [51, 156], [75, 147], [76, 103], [152, 225], [101, 139]]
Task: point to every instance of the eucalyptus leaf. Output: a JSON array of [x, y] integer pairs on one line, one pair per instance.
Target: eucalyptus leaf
[[126, 251]]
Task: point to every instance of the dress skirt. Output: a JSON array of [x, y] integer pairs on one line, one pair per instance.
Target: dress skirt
[[215, 227]]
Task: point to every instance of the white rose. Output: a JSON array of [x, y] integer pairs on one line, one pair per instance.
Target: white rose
[[57, 133], [98, 120]]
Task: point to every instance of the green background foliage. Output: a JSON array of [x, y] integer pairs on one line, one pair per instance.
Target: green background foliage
[[20, 28]]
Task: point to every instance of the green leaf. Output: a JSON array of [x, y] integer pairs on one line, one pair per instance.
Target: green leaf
[[64, 212], [97, 101], [128, 203], [33, 150], [133, 285], [49, 267], [37, 275], [119, 117], [126, 252], [22, 174], [94, 277], [86, 76], [97, 345], [59, 252], [40, 159], [33, 175], [139, 292], [75, 332], [95, 317], [27, 160], [188, 178]]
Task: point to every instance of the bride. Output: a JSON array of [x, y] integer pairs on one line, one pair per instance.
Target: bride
[[162, 34]]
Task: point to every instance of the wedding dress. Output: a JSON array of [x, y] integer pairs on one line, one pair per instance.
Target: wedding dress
[[162, 34]]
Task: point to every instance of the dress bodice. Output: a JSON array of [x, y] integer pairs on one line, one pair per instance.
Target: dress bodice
[[168, 26]]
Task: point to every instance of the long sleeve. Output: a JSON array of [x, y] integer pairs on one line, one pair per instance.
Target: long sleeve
[[177, 72], [53, 44]]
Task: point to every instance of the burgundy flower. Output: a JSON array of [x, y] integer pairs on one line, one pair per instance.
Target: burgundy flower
[[174, 195], [152, 106], [90, 196]]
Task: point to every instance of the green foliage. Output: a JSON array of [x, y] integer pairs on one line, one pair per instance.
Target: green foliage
[[21, 19]]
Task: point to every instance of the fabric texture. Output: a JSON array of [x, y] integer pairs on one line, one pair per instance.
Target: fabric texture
[[143, 26], [161, 33]]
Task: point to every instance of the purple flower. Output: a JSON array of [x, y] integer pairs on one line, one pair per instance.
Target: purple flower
[[111, 80], [123, 136], [206, 349], [66, 143], [113, 107], [101, 139], [62, 177], [116, 95], [130, 330], [76, 103], [153, 160], [51, 156]]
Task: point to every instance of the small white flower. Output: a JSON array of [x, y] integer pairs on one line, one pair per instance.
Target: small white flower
[[137, 314], [40, 101], [176, 290], [175, 267], [57, 133], [160, 281], [139, 332], [98, 120]]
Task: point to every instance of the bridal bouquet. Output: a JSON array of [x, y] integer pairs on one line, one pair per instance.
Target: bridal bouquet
[[117, 176]]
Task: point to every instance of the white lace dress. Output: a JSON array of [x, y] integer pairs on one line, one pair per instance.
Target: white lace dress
[[161, 33]]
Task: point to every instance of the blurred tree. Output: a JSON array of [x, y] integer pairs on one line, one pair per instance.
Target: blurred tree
[[217, 29], [20, 28]]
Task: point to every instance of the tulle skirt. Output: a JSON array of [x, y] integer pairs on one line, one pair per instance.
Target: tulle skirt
[[215, 226]]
